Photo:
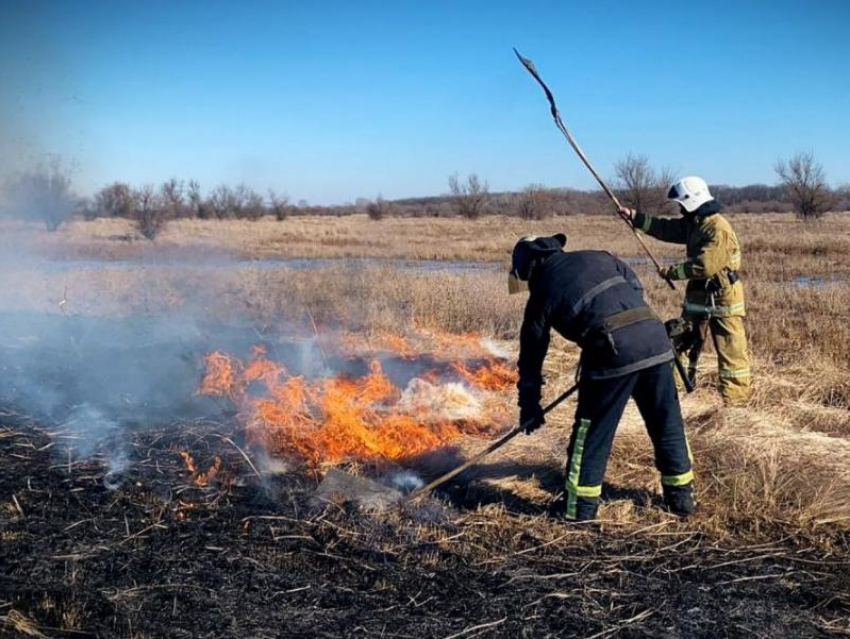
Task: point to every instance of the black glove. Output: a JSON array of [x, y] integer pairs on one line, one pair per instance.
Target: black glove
[[529, 404], [531, 418]]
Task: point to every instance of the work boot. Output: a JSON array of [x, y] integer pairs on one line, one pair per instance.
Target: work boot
[[679, 500], [585, 509]]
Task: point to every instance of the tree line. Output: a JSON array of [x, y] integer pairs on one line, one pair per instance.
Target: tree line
[[46, 194]]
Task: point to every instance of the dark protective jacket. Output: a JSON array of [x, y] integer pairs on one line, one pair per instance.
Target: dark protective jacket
[[713, 253], [574, 293]]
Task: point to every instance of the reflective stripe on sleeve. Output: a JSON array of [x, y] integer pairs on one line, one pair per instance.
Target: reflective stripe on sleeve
[[677, 271], [735, 260], [690, 307]]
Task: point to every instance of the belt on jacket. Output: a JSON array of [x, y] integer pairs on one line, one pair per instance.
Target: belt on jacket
[[714, 285], [620, 320]]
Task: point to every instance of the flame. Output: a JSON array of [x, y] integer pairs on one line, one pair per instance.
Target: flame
[[418, 341], [366, 417], [202, 479], [491, 374], [221, 375], [198, 478], [379, 341], [189, 461]]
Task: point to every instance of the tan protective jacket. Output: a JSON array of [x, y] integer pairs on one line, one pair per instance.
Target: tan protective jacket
[[712, 252]]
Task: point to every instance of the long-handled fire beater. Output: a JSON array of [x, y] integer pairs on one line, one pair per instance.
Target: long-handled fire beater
[[556, 115], [504, 439]]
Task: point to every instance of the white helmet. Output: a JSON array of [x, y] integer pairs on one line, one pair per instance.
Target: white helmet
[[691, 192]]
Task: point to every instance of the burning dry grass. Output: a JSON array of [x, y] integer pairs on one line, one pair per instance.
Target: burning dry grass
[[800, 335], [365, 418]]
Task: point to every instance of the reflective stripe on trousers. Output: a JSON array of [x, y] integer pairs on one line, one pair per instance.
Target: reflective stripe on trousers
[[573, 489], [600, 406], [678, 480], [735, 373]]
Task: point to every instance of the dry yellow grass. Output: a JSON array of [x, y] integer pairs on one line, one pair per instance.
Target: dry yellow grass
[[777, 236]]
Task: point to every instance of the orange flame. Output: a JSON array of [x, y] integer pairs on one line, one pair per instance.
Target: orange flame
[[190, 463], [202, 479], [341, 418], [198, 478], [220, 378], [492, 374]]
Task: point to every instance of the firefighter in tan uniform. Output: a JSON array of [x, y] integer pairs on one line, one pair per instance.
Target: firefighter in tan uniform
[[714, 299]]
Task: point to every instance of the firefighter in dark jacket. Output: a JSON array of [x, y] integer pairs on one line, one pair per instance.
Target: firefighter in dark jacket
[[595, 300]]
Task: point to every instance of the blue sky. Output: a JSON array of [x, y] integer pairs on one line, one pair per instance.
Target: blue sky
[[329, 101]]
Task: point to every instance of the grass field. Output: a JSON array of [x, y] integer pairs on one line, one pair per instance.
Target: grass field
[[767, 555], [488, 238]]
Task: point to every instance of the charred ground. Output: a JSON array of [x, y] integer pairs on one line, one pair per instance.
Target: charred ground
[[259, 557]]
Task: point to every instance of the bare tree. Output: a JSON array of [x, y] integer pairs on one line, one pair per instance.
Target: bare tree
[[248, 203], [173, 196], [841, 198], [805, 185], [43, 193], [222, 202], [534, 202], [640, 186], [279, 205], [115, 200], [86, 208], [238, 201], [198, 207], [379, 208], [470, 198], [150, 212]]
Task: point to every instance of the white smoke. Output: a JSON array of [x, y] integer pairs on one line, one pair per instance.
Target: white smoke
[[451, 401], [495, 349], [404, 481], [116, 465]]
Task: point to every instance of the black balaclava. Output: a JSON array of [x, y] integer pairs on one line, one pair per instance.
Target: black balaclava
[[530, 250], [709, 208]]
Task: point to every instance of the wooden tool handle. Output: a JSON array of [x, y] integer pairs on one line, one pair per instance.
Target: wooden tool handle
[[504, 439]]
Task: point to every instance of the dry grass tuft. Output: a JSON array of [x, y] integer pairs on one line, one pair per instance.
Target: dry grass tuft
[[21, 624], [758, 474]]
